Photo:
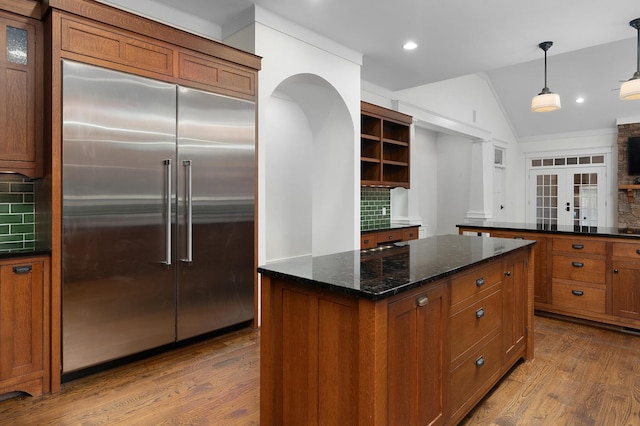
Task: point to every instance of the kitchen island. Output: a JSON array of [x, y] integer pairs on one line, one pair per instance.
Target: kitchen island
[[585, 273], [414, 333]]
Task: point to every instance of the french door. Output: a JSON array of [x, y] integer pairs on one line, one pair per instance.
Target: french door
[[567, 197]]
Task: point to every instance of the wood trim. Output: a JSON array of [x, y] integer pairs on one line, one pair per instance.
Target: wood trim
[[29, 8], [118, 18]]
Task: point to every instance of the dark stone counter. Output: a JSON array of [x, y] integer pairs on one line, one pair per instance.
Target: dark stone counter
[[11, 254], [376, 274], [556, 229]]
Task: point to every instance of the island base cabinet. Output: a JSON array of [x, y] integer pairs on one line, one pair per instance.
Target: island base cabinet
[[416, 347], [626, 290], [22, 327]]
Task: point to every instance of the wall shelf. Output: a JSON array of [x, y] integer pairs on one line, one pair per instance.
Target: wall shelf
[[629, 188]]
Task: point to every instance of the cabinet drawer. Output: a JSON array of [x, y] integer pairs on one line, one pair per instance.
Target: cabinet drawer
[[629, 250], [580, 297], [368, 241], [579, 268], [474, 371], [471, 324], [474, 283], [410, 234], [579, 246], [389, 236]]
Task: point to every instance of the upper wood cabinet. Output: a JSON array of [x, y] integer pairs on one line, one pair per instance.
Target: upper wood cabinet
[[100, 39], [385, 140], [21, 71]]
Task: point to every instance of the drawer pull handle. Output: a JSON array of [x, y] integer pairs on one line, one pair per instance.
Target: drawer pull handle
[[615, 271], [480, 282], [577, 292], [577, 246], [638, 251], [518, 238], [22, 269], [480, 361], [422, 301], [577, 264], [507, 274], [480, 313], [391, 237], [366, 241]]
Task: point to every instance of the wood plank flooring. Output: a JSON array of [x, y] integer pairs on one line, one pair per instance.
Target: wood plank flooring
[[581, 375]]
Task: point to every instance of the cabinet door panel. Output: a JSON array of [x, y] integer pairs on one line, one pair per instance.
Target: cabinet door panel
[[626, 290], [417, 335], [21, 319]]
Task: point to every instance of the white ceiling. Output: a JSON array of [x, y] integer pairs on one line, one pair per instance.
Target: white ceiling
[[594, 47]]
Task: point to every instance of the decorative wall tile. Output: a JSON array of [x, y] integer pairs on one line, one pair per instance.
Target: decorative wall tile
[[372, 201], [17, 214]]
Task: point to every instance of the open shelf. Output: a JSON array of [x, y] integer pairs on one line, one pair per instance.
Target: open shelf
[[384, 147]]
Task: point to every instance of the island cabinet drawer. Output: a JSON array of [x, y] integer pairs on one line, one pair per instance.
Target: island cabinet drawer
[[410, 234], [579, 296], [471, 325], [579, 246], [389, 236], [474, 284], [475, 371], [628, 250], [578, 268], [368, 241]]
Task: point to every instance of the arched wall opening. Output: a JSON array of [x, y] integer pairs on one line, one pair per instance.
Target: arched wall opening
[[309, 173]]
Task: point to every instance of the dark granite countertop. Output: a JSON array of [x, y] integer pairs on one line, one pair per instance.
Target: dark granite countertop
[[532, 227], [376, 274], [391, 227], [17, 253]]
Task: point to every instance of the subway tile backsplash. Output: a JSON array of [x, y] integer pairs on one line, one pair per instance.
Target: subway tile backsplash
[[17, 214], [372, 201]]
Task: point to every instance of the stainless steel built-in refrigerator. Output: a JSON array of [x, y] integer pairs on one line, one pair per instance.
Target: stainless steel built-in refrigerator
[[158, 213]]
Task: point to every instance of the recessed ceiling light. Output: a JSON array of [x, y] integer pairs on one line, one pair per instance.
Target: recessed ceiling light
[[410, 45], [579, 100]]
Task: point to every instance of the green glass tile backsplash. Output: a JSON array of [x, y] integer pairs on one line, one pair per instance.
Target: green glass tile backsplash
[[372, 201], [17, 214]]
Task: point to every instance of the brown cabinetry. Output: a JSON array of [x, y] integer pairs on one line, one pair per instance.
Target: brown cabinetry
[[625, 284], [591, 277], [416, 348], [24, 324], [424, 357], [488, 328], [21, 70], [372, 239], [384, 146]]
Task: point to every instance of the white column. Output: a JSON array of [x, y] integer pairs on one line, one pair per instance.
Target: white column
[[481, 182]]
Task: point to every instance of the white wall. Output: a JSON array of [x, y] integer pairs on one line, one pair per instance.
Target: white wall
[[424, 176], [289, 158], [454, 175]]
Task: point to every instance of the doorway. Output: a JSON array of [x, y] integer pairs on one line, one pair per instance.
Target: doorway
[[567, 192]]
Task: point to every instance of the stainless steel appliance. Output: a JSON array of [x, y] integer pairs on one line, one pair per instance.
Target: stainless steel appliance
[[158, 213]]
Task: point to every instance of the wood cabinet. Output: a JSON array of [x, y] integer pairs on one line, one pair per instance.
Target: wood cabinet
[[371, 239], [111, 47], [21, 89], [417, 343], [542, 287], [24, 326], [488, 331], [384, 146], [426, 356], [625, 284], [590, 277]]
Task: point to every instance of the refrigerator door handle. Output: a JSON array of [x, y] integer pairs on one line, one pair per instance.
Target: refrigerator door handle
[[167, 261], [189, 213]]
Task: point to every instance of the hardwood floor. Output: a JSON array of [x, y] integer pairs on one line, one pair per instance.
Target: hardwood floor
[[581, 375]]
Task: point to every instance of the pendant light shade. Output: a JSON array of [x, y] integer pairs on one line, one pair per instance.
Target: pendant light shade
[[630, 89], [546, 100]]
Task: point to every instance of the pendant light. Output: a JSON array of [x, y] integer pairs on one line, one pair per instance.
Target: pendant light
[[546, 99], [630, 89]]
